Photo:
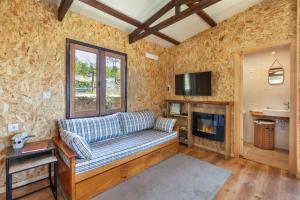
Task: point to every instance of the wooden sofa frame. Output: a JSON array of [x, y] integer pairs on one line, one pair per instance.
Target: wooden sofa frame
[[95, 181]]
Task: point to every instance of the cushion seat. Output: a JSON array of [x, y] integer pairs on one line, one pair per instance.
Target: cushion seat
[[108, 151]]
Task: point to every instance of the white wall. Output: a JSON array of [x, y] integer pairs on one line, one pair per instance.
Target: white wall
[[258, 93]]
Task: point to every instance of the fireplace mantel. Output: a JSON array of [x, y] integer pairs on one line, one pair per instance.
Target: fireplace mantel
[[201, 102], [192, 105]]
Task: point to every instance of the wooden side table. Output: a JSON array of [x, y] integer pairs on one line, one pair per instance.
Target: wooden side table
[[16, 161]]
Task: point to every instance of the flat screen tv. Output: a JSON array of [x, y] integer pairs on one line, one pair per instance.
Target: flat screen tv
[[193, 84]]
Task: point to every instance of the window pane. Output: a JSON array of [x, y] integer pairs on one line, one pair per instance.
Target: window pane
[[85, 81], [113, 83]]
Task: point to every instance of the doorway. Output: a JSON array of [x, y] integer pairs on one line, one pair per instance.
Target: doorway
[[265, 110]]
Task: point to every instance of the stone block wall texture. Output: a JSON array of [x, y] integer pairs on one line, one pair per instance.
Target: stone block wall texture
[[214, 49], [32, 60]]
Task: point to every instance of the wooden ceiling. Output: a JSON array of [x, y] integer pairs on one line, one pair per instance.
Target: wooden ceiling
[[145, 29]]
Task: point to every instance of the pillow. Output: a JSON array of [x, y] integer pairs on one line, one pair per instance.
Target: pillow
[[77, 144], [93, 129], [164, 124], [136, 121]]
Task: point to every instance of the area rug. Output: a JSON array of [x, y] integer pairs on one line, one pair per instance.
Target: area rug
[[178, 178]]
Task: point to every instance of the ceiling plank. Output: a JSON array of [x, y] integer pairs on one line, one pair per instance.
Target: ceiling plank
[[154, 17], [104, 8], [202, 14], [189, 11], [167, 38], [206, 18], [159, 14], [63, 8]]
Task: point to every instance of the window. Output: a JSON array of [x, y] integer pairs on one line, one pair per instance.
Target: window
[[96, 80]]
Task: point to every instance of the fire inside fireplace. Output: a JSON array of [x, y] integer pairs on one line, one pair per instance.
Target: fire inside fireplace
[[210, 126], [206, 126]]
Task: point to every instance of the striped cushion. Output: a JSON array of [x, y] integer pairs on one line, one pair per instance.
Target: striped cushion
[[164, 124], [77, 144], [93, 129], [137, 121], [108, 151]]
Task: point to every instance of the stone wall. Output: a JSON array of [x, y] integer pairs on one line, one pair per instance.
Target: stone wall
[[32, 60], [214, 49]]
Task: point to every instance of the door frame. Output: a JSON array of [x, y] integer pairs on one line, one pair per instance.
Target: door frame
[[238, 105]]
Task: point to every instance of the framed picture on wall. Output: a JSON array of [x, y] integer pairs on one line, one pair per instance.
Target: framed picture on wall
[[175, 109]]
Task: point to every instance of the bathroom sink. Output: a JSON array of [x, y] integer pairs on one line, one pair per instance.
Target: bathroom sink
[[276, 112]]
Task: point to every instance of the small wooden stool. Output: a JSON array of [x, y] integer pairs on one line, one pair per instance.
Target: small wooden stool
[[16, 161]]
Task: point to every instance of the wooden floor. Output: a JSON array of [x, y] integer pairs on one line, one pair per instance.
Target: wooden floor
[[249, 180], [276, 158]]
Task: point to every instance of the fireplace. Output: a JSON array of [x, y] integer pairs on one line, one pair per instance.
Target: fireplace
[[210, 126]]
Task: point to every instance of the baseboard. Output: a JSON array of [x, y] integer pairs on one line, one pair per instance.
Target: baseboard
[[208, 148], [21, 183]]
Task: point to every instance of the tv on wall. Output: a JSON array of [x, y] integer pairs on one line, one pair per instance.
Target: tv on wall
[[193, 84]]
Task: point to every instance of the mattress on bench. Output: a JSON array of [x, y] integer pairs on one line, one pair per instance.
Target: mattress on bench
[[110, 150]]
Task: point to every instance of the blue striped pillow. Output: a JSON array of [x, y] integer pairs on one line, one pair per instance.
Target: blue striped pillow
[[77, 144], [93, 129], [136, 121], [164, 124]]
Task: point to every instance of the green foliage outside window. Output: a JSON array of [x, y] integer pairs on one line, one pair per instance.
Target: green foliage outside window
[[86, 77], [86, 73]]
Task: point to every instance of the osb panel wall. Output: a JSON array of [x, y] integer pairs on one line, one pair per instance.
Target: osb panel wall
[[32, 60], [298, 65], [214, 49]]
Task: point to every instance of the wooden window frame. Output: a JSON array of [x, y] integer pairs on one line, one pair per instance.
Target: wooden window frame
[[103, 111], [101, 53], [72, 104]]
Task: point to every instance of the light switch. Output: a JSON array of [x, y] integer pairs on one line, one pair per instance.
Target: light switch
[[46, 95], [5, 107], [13, 127]]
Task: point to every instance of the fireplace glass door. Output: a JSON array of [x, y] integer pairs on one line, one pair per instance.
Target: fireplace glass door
[[210, 126]]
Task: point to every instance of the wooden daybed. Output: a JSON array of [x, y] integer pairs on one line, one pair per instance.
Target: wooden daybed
[[88, 184]]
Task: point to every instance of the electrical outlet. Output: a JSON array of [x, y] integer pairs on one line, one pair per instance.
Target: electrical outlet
[[46, 95], [13, 127]]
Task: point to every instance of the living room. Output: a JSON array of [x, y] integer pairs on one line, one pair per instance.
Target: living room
[[119, 73]]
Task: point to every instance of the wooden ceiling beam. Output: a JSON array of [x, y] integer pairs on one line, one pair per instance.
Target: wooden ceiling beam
[[104, 8], [189, 11], [177, 8], [160, 13], [167, 38], [63, 8], [180, 2], [153, 18], [202, 14]]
